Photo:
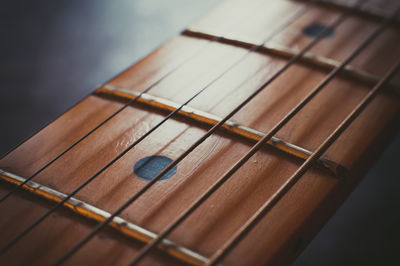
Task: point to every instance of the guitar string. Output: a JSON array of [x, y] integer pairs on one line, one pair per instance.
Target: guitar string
[[130, 102], [268, 205], [213, 129], [92, 131], [43, 217], [257, 146]]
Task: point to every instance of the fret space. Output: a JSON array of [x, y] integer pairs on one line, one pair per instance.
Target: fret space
[[206, 119], [319, 62], [347, 36]]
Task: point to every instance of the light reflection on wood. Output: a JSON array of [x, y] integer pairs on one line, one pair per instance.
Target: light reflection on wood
[[321, 62]]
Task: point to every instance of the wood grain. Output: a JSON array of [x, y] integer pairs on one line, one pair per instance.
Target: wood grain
[[285, 231]]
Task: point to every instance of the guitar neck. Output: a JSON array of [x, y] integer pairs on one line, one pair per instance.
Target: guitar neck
[[232, 143]]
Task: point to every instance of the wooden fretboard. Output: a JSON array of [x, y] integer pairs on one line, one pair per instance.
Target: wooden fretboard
[[264, 116]]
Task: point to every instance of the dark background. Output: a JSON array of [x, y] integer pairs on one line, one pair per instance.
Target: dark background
[[53, 53]]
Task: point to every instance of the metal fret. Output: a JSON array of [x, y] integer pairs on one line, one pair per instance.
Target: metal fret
[[94, 213], [168, 73], [321, 62], [292, 180], [182, 156], [137, 141], [229, 127], [304, 167]]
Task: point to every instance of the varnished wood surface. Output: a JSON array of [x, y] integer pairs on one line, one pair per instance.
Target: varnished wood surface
[[297, 216]]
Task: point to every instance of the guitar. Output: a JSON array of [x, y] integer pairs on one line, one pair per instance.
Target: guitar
[[106, 153]]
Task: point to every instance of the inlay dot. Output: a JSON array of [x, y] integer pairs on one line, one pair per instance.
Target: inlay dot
[[314, 29], [149, 167]]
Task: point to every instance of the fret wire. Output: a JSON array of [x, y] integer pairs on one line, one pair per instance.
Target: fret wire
[[42, 218], [182, 156], [255, 148], [213, 129], [230, 127], [130, 102], [292, 180], [120, 225], [311, 59]]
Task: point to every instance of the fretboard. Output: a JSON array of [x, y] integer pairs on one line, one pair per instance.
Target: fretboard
[[232, 143]]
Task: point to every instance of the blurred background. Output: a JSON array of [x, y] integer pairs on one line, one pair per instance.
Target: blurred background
[[53, 53]]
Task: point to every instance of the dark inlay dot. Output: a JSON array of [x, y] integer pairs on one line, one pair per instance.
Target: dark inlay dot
[[314, 29], [149, 167]]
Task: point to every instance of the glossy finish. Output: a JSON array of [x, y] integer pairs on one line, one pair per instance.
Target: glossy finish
[[219, 217]]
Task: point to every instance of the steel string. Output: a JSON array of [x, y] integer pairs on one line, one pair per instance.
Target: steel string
[[285, 187], [268, 136], [42, 218], [184, 62], [155, 179]]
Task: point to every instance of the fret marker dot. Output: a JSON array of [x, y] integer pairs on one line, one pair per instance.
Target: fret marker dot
[[149, 167], [314, 29]]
